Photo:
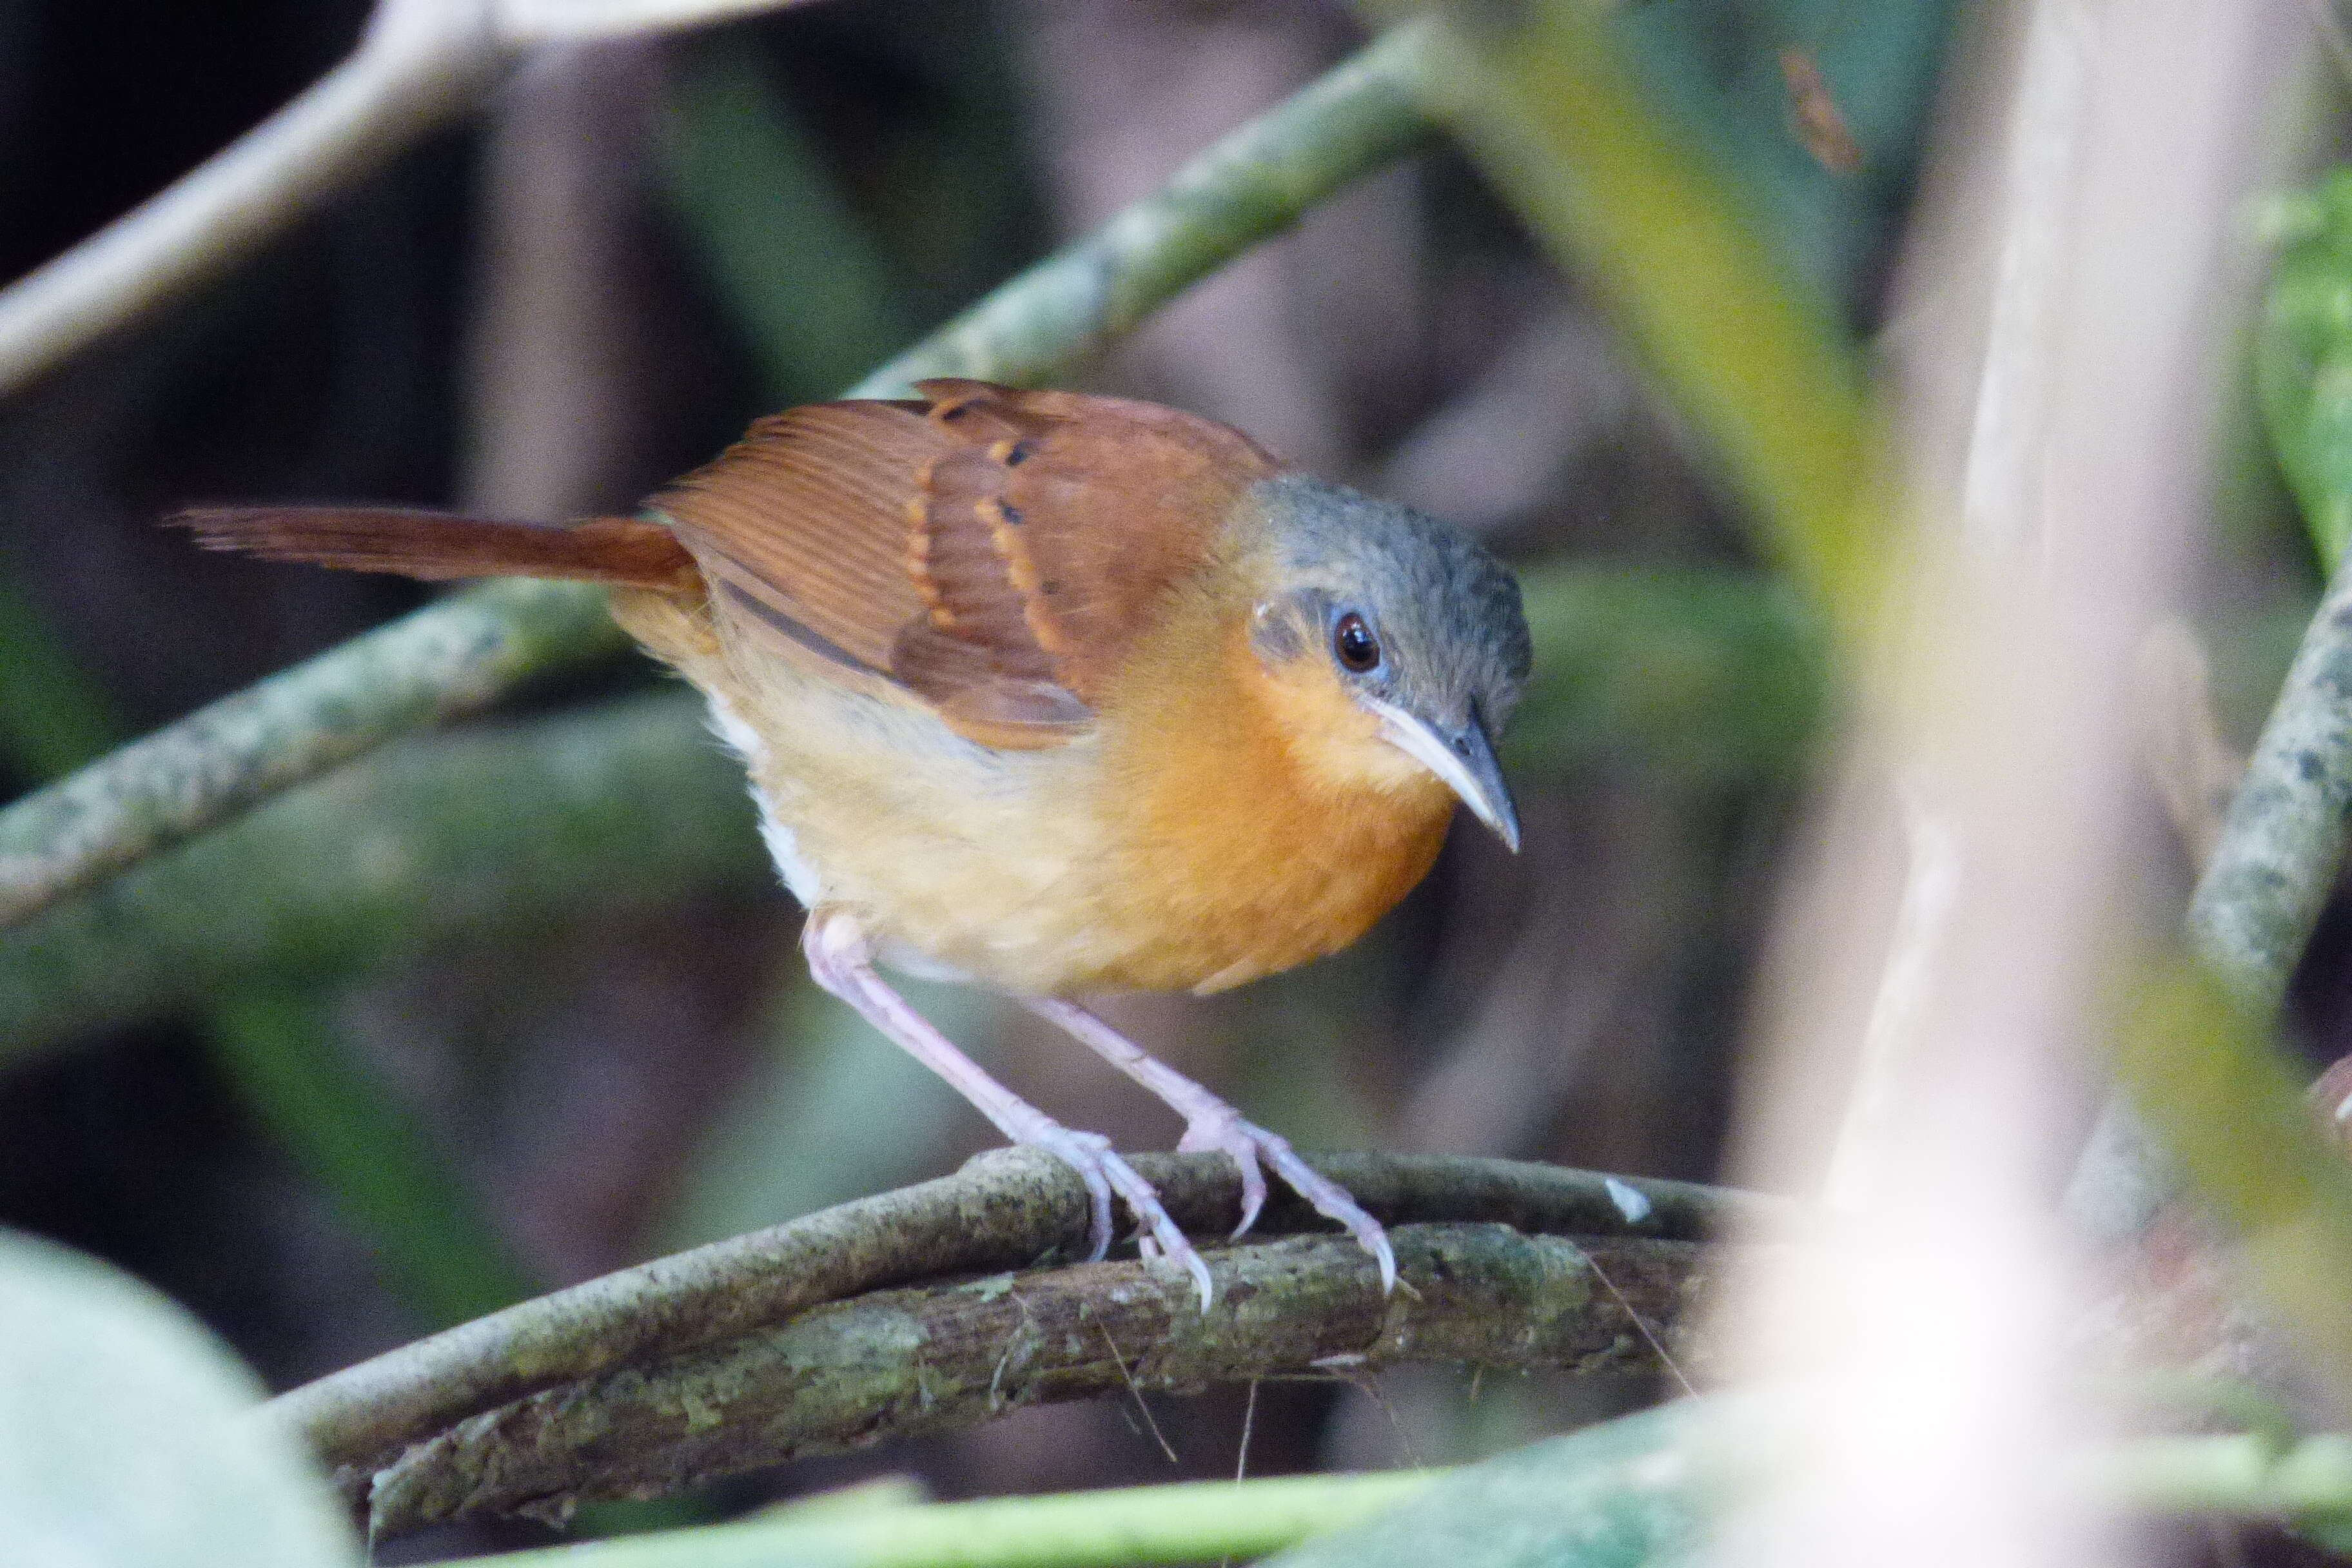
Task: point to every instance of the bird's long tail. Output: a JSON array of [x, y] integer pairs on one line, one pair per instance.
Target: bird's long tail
[[622, 552]]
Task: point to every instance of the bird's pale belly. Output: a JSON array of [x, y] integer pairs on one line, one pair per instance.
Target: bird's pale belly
[[937, 847]]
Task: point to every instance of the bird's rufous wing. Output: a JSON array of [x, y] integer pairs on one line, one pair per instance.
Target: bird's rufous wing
[[993, 552]]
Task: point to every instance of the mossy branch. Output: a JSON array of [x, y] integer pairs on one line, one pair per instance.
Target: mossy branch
[[459, 654], [2282, 845], [912, 1361], [473, 647], [1006, 1209]]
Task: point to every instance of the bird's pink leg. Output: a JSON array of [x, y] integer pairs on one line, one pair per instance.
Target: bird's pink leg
[[1211, 1124], [841, 962]]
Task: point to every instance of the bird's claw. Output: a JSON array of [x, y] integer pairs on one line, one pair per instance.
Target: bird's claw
[[1105, 1172], [1224, 1130], [1084, 1152]]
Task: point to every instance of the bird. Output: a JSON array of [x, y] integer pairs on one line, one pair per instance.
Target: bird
[[1053, 693]]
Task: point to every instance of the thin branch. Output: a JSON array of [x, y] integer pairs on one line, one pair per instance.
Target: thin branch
[[909, 1362], [1005, 1209], [454, 656], [1360, 116], [2282, 846], [472, 647], [421, 64], [499, 828], [523, 23]]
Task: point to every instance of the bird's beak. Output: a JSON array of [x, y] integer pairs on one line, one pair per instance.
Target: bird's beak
[[1463, 758]]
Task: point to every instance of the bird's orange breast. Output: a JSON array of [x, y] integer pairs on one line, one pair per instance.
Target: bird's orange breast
[[1187, 843], [1228, 854]]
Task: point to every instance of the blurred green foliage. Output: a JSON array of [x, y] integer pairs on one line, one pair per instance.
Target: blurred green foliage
[[2203, 1066], [1548, 99], [277, 1045], [53, 717], [125, 1444], [2302, 357], [1722, 70], [1712, 679], [785, 249], [832, 1111], [440, 841]]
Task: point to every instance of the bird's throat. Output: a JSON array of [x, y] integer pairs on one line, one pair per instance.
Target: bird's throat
[[1260, 853]]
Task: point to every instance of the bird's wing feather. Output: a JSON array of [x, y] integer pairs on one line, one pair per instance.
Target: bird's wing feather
[[993, 552], [1057, 527], [801, 527]]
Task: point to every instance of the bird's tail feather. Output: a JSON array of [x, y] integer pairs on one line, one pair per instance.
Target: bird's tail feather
[[623, 551]]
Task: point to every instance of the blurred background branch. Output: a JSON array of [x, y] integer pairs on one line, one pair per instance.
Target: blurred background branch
[[421, 63], [460, 656], [443, 841]]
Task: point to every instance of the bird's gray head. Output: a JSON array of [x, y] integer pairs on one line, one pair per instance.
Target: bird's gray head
[[1421, 628]]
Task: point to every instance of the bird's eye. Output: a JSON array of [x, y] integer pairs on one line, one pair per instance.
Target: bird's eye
[[1354, 645]]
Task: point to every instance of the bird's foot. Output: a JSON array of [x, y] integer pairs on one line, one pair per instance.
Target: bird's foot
[[841, 960], [1211, 1124], [1105, 1172], [1219, 1128]]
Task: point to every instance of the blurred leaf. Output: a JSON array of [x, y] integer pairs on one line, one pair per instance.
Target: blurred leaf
[[1636, 1490], [2201, 1066], [1196, 1522], [53, 717], [2303, 359], [1724, 67], [1708, 677], [1547, 96], [124, 1445]]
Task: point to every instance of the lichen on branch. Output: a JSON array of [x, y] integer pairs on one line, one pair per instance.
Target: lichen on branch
[[1011, 1209]]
